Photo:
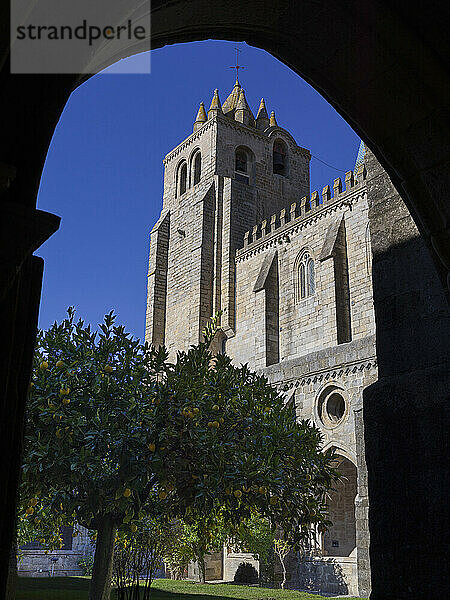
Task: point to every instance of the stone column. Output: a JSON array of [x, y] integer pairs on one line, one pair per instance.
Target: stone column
[[405, 411], [22, 230]]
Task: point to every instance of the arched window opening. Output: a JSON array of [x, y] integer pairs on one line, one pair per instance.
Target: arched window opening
[[280, 158], [310, 278], [241, 161], [305, 277], [340, 539], [368, 251], [182, 178], [241, 167], [197, 167]]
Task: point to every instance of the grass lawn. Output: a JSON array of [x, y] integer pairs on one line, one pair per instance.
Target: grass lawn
[[76, 588]]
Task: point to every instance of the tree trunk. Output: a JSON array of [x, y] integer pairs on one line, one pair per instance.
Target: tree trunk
[[202, 568], [100, 588], [283, 583]]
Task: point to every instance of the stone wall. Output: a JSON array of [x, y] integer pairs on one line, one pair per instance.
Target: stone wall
[[312, 323], [60, 563], [328, 575], [192, 248], [406, 411]]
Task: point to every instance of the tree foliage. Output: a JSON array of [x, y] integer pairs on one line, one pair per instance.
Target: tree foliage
[[115, 432]]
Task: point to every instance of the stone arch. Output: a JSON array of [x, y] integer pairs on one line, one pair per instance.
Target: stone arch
[[341, 450], [405, 131]]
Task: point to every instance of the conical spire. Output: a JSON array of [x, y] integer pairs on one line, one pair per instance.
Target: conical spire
[[243, 113], [215, 107], [201, 117], [273, 121], [262, 118], [231, 102]]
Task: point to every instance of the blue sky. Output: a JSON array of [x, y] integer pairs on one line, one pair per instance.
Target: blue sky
[[104, 176]]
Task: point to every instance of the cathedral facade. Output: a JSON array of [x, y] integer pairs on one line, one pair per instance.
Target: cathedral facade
[[290, 271]]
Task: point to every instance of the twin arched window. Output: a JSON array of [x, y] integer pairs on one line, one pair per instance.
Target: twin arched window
[[305, 283], [182, 173], [280, 163]]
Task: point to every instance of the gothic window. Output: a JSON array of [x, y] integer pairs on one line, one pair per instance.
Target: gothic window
[[368, 251], [197, 167], [241, 166], [305, 284], [182, 178], [241, 161], [280, 158]]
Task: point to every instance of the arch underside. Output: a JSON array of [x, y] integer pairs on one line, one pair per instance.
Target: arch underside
[[383, 67]]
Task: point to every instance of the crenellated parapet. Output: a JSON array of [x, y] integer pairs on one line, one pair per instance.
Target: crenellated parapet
[[307, 208]]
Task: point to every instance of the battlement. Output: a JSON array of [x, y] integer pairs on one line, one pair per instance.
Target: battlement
[[307, 207]]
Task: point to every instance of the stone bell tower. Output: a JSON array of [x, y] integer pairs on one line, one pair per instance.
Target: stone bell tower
[[233, 171]]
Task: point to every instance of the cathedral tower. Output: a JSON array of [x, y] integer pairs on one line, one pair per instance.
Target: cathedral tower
[[233, 171]]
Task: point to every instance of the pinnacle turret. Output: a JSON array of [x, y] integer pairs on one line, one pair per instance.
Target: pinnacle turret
[[231, 102], [215, 107], [272, 120], [236, 108], [201, 117], [242, 113], [262, 118]]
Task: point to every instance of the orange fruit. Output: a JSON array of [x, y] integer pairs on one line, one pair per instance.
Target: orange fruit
[[127, 492], [60, 364], [44, 365], [133, 527], [108, 369], [30, 510], [262, 490], [273, 500], [195, 411], [216, 424], [152, 447], [210, 424], [66, 401], [162, 495], [215, 407], [237, 493]]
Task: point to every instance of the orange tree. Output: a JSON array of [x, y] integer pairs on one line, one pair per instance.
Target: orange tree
[[115, 432]]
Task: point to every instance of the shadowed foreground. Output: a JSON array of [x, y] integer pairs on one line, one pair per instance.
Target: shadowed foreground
[[76, 588]]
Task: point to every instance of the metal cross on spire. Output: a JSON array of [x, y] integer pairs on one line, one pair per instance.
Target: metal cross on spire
[[237, 66]]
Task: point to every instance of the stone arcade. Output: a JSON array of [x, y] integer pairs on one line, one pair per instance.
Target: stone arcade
[[291, 271]]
